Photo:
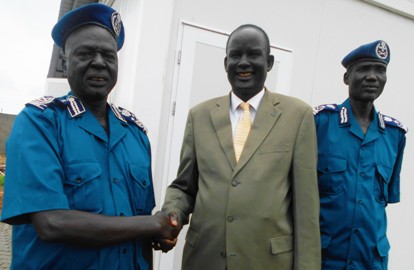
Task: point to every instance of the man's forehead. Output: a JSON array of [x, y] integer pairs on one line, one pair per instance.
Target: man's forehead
[[254, 39], [368, 63]]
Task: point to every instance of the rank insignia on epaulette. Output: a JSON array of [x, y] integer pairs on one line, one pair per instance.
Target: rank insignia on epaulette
[[317, 109], [42, 102], [394, 122], [124, 114]]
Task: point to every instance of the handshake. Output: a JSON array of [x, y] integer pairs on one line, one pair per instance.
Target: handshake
[[169, 228]]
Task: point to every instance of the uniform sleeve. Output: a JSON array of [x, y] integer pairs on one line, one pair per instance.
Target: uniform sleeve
[[306, 197], [394, 186], [34, 173], [180, 196], [150, 203]]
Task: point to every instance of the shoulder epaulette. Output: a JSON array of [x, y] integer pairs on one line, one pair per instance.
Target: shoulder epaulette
[[324, 107], [127, 116], [42, 102], [388, 120]]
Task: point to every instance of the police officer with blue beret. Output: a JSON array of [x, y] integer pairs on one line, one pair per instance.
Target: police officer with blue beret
[[78, 188], [360, 153]]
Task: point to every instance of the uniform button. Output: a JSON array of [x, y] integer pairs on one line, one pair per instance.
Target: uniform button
[[234, 183], [362, 174], [230, 219], [115, 180], [360, 202], [125, 251], [78, 180]]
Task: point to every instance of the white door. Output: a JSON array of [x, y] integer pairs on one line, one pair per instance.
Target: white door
[[200, 75]]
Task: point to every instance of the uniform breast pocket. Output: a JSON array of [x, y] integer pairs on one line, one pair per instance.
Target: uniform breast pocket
[[382, 180], [83, 186], [141, 188], [331, 175]]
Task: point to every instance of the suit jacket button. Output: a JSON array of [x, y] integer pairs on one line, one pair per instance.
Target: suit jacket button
[[230, 219], [234, 183]]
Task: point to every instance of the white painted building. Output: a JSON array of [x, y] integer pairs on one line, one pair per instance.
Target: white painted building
[[173, 59]]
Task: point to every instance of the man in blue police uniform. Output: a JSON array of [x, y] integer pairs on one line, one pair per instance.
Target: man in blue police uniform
[[78, 188], [360, 152]]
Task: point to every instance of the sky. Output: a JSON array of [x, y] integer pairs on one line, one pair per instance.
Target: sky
[[25, 50]]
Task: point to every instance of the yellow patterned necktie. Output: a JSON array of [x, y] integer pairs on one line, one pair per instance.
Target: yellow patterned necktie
[[242, 130]]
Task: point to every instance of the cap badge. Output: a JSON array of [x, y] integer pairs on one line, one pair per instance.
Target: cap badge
[[116, 23], [381, 50]]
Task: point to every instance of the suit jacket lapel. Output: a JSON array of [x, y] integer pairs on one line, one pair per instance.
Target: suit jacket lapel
[[266, 117], [220, 117]]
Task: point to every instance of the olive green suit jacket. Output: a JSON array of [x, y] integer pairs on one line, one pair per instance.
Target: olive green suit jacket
[[261, 212]]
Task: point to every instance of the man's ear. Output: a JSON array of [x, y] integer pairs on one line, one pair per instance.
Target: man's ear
[[346, 78], [64, 64], [225, 63], [270, 62]]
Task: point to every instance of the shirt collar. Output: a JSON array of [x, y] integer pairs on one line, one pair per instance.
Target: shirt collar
[[254, 101]]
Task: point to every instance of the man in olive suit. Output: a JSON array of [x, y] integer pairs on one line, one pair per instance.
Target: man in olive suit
[[259, 210]]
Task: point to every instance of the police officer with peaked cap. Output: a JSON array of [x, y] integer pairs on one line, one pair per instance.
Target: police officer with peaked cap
[[78, 189], [360, 153]]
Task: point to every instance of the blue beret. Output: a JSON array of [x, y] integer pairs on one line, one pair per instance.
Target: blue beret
[[375, 51], [95, 14]]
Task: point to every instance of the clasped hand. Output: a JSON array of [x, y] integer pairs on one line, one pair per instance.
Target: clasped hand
[[170, 228]]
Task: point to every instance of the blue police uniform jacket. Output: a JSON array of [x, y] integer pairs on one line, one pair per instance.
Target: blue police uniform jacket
[[60, 157], [358, 175]]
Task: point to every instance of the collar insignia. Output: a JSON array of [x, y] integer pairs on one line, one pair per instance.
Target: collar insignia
[[343, 116], [381, 121], [73, 105]]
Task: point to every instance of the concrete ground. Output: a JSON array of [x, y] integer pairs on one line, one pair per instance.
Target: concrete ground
[[5, 246]]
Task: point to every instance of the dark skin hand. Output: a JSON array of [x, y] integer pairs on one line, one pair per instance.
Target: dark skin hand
[[95, 230], [166, 244]]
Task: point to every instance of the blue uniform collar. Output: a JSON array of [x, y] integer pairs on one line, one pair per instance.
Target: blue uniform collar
[[345, 115], [346, 119], [76, 108]]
